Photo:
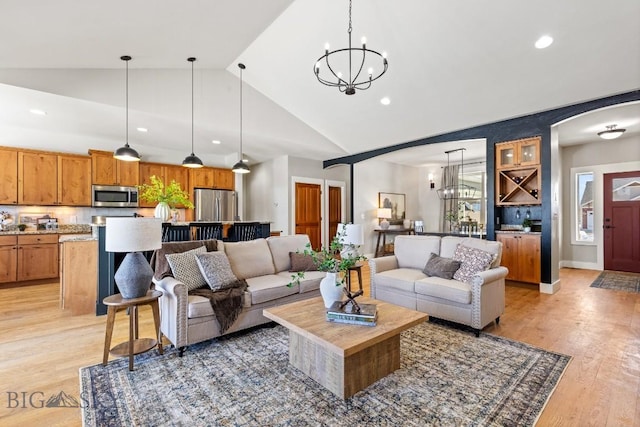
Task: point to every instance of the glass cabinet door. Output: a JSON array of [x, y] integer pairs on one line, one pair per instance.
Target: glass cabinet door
[[529, 152], [505, 155]]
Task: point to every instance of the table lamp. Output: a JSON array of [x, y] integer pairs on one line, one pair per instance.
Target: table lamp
[[384, 214], [352, 237], [133, 235]]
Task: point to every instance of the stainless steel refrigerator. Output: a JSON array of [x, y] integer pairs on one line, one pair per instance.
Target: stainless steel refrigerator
[[215, 205]]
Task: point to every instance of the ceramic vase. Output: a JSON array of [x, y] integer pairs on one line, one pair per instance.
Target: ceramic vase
[[329, 289], [162, 211]]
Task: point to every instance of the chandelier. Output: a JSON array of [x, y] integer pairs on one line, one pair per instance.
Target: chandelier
[[612, 132], [457, 191], [356, 58]]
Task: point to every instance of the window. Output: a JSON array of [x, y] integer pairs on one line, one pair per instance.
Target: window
[[584, 207]]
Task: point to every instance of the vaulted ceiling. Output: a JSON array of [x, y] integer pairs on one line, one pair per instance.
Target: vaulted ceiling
[[452, 65]]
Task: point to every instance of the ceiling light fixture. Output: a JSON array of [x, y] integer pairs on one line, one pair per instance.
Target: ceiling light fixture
[[125, 152], [143, 130], [349, 87], [240, 166], [612, 132], [385, 101], [216, 142], [192, 161], [38, 112], [544, 42], [457, 191]]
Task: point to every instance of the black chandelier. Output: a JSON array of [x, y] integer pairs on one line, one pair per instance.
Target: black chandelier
[[458, 191], [349, 84]]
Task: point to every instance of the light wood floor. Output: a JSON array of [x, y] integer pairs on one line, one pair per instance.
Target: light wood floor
[[42, 348]]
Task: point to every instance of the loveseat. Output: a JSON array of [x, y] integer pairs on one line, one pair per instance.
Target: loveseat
[[400, 279], [264, 264]]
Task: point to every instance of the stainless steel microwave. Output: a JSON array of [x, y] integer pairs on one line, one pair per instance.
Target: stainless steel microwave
[[113, 196]]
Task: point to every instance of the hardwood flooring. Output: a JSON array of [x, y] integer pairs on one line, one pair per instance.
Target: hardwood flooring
[[42, 348]]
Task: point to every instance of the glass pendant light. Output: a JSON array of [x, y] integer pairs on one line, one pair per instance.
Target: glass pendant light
[[192, 161], [241, 166], [125, 152]]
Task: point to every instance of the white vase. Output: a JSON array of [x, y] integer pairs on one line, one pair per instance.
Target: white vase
[[330, 291], [162, 211]]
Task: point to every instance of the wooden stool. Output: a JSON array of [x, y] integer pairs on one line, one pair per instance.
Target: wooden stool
[[135, 345]]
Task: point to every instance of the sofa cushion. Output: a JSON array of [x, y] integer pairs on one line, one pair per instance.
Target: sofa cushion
[[472, 260], [281, 246], [185, 268], [311, 281], [302, 262], [159, 264], [400, 278], [490, 246], [441, 267], [414, 251], [216, 270], [269, 287], [450, 290], [448, 245], [250, 258], [198, 307]]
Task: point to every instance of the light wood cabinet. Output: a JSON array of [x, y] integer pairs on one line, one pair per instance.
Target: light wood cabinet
[[8, 177], [201, 178], [37, 256], [166, 173], [518, 172], [37, 178], [106, 170], [74, 180], [223, 179], [8, 259], [520, 152], [79, 276], [521, 255], [218, 178]]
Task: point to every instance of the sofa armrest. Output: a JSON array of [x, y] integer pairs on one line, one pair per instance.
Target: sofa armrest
[[173, 310], [490, 275], [378, 265]]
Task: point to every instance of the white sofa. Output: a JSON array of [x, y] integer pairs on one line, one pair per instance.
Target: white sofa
[[399, 279], [264, 264]]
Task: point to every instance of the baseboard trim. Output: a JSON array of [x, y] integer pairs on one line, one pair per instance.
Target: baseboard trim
[[550, 288], [580, 265]]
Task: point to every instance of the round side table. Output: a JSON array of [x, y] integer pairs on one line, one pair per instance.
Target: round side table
[[135, 345]]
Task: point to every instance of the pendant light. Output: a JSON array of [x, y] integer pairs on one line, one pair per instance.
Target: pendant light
[[241, 166], [192, 161], [127, 153]]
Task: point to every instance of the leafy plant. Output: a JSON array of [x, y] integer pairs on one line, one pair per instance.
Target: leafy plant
[[526, 222], [329, 260], [170, 194]]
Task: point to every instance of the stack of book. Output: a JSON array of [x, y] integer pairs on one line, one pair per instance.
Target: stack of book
[[367, 316]]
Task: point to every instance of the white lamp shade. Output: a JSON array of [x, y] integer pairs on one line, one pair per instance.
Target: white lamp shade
[[384, 213], [353, 234], [133, 234]]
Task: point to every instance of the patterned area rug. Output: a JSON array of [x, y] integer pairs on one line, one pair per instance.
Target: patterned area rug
[[618, 280], [448, 377]]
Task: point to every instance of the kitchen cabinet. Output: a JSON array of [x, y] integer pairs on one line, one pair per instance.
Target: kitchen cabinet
[[106, 170], [521, 152], [8, 176], [74, 180], [223, 179], [37, 178], [8, 259], [217, 178], [79, 276], [521, 255], [37, 256], [166, 173], [201, 178]]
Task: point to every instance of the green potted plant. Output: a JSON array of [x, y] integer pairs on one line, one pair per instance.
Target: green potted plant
[[335, 261], [167, 196], [526, 225]]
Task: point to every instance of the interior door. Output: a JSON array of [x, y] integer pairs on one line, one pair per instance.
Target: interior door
[[335, 210], [622, 221], [308, 212]]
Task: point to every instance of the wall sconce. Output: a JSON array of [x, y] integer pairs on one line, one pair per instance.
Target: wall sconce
[[432, 185]]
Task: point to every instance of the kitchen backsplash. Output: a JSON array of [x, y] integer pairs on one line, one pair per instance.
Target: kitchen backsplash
[[75, 215]]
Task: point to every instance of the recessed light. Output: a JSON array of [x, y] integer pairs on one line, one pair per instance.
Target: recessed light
[[385, 101], [216, 142], [142, 129], [543, 42], [38, 112]]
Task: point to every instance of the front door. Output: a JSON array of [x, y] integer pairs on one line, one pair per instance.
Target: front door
[[622, 221], [309, 212]]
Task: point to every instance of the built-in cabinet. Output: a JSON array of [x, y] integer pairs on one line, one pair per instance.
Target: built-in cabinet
[[74, 180], [518, 172], [107, 170], [166, 173], [8, 176], [37, 178], [521, 255], [220, 179], [8, 259], [79, 276]]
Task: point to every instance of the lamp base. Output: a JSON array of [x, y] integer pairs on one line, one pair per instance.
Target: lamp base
[[384, 224], [134, 276]]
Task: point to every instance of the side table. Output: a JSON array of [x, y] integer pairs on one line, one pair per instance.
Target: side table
[[380, 250], [135, 345]]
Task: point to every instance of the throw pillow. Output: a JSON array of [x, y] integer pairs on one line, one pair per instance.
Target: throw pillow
[[301, 262], [472, 261], [216, 270], [159, 264], [441, 267], [185, 268]]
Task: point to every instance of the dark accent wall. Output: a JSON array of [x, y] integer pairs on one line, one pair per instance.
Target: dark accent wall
[[506, 130]]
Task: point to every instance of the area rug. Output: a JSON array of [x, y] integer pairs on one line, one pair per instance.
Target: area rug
[[618, 280], [447, 377]]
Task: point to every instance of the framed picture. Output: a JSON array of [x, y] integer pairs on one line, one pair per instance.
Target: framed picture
[[31, 219], [395, 202]]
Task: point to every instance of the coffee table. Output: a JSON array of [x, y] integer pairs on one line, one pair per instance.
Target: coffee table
[[344, 358]]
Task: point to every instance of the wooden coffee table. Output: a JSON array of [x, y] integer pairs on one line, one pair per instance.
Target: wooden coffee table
[[344, 358]]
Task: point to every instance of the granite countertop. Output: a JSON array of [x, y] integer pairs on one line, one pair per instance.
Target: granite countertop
[[62, 229], [517, 232], [77, 238]]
